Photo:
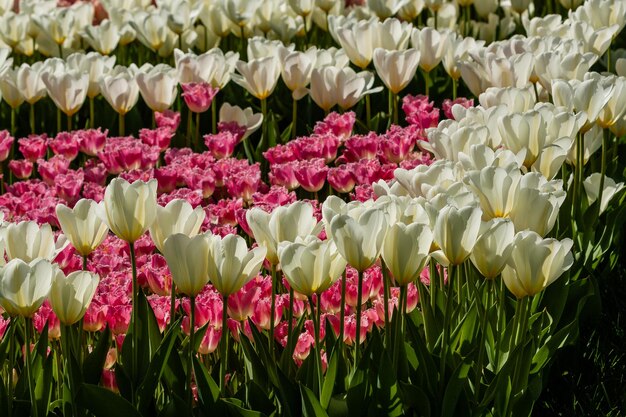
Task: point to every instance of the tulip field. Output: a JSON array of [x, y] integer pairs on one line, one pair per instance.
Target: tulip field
[[312, 208]]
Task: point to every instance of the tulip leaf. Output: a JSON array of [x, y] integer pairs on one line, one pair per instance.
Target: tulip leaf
[[256, 369], [9, 335], [43, 385], [208, 391], [415, 398], [94, 362], [174, 374], [104, 403], [427, 373], [458, 380], [146, 390], [258, 399], [173, 407], [235, 407], [329, 379], [388, 400], [311, 406], [4, 397]]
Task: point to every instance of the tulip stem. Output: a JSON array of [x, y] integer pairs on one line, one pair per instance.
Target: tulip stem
[[294, 118], [69, 123], [135, 322], [357, 340], [192, 328], [290, 322], [386, 284], [188, 133], [446, 324], [13, 122], [28, 327], [401, 313], [92, 113], [272, 310], [214, 116], [172, 303], [455, 86], [605, 144], [224, 345], [31, 117], [121, 125], [342, 310], [59, 127], [368, 110], [66, 347], [315, 316], [483, 328], [197, 132], [9, 379], [521, 312]]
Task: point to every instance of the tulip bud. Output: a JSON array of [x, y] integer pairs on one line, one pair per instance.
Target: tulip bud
[[188, 260], [176, 217], [82, 226], [70, 296], [25, 286]]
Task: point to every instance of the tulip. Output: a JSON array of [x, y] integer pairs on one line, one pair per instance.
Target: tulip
[[496, 188], [455, 232], [129, 209], [283, 224], [231, 265], [405, 251], [68, 90], [120, 90], [359, 240], [592, 189], [188, 260], [104, 37], [10, 89], [158, 88], [176, 217], [493, 247], [70, 296], [535, 263], [25, 285], [311, 265], [82, 226], [258, 76], [243, 117], [27, 241], [396, 68], [537, 204]]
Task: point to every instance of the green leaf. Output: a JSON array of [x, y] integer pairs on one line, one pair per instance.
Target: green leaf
[[94, 362], [208, 391], [311, 407], [415, 398], [458, 380], [104, 403], [235, 408], [329, 380], [146, 390], [8, 336]]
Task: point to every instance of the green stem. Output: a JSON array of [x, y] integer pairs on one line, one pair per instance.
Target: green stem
[[197, 132], [66, 346], [31, 118], [368, 110], [192, 329], [386, 285], [272, 310], [172, 304], [224, 345], [401, 313], [69, 123], [315, 317], [121, 124], [14, 322], [134, 319], [290, 318], [357, 340], [452, 270], [59, 127], [605, 144], [92, 114], [188, 135], [427, 82], [214, 116], [294, 118], [342, 310], [13, 122], [455, 86], [29, 372], [483, 328]]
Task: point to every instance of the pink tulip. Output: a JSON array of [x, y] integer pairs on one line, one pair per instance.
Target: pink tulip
[[160, 137], [311, 174], [221, 145], [361, 147], [21, 168], [91, 141], [447, 105], [284, 175], [65, 144], [168, 118], [199, 96], [280, 154], [339, 125], [419, 111], [6, 143], [33, 147], [342, 178], [241, 304], [50, 169]]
